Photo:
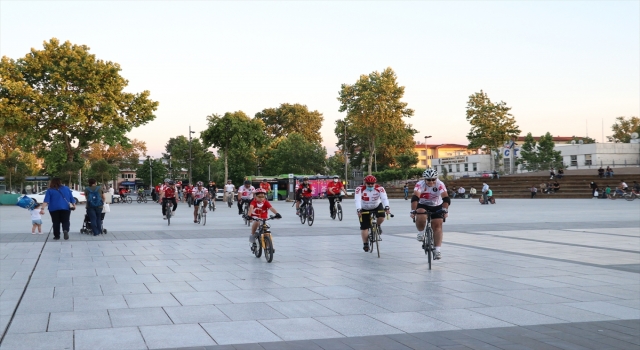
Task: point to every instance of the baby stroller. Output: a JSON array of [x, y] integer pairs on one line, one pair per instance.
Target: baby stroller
[[86, 225]]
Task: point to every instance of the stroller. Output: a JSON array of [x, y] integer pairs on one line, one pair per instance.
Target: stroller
[[86, 225]]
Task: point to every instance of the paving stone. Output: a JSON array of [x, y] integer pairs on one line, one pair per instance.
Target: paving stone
[[247, 296], [195, 314], [201, 298], [516, 315], [212, 285], [239, 332], [122, 289], [99, 303], [412, 322], [566, 313], [150, 300], [299, 328], [68, 321], [109, 338], [45, 305], [292, 294], [176, 335], [29, 323], [336, 292], [466, 319], [357, 325], [43, 341], [249, 311], [608, 309], [139, 317]]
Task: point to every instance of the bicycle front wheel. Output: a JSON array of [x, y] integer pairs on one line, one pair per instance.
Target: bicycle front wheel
[[629, 196], [168, 215], [339, 212], [129, 200], [303, 215], [204, 217], [139, 200], [268, 248], [258, 250], [311, 216]]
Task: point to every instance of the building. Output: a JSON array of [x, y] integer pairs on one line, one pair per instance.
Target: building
[[426, 153]]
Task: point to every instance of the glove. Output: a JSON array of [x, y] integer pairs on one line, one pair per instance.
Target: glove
[[278, 216]]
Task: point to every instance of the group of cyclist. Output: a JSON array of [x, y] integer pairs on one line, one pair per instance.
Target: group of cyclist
[[201, 196]]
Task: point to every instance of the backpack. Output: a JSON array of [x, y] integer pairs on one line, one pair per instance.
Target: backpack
[[26, 202], [94, 199]]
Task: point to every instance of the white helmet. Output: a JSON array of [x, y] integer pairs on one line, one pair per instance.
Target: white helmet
[[430, 174]]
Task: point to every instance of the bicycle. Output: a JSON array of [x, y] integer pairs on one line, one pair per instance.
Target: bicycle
[[212, 203], [630, 195], [337, 209], [245, 212], [230, 199], [307, 213], [263, 235], [428, 243], [168, 207], [141, 199], [202, 214], [127, 199], [374, 230], [190, 200]]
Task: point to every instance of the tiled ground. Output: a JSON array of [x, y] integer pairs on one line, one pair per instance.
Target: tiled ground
[[494, 289]]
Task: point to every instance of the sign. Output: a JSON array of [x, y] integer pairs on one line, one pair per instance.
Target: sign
[[456, 159], [291, 176], [275, 192]]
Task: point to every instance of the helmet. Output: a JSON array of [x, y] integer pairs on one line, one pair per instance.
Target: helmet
[[247, 182], [171, 182], [166, 180], [305, 179], [370, 179], [430, 174], [264, 180], [260, 190], [199, 183], [336, 176]]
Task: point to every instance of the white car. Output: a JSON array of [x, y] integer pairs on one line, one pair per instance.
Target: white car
[[220, 194], [39, 197], [350, 191]]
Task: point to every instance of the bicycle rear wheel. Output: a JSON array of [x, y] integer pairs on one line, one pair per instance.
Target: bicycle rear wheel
[[144, 199], [204, 217], [139, 200], [129, 200], [339, 212], [258, 251], [311, 216], [268, 248]]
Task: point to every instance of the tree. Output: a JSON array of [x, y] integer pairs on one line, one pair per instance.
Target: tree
[[234, 131], [585, 140], [335, 164], [290, 118], [623, 128], [16, 166], [374, 116], [406, 161], [528, 153], [64, 95], [101, 170], [491, 123], [541, 155], [144, 173], [178, 148], [122, 156], [296, 155]]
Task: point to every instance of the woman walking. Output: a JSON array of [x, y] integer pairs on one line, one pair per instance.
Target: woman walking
[[59, 200]]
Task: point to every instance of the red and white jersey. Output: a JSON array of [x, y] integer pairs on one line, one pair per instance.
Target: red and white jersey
[[168, 191], [431, 196], [246, 193], [200, 193], [260, 210], [370, 199]]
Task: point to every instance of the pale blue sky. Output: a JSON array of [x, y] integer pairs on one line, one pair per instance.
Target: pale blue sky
[[560, 65]]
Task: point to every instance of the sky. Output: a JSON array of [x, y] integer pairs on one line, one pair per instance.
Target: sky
[[566, 67]]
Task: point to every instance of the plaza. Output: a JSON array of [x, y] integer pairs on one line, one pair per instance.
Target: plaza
[[521, 274]]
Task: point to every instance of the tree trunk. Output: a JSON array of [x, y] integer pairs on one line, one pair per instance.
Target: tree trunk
[[226, 167]]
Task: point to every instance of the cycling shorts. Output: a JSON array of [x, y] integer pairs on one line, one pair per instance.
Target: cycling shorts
[[365, 218], [197, 202], [432, 210]]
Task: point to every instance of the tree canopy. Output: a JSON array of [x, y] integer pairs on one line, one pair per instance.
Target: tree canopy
[[158, 169], [290, 118], [296, 155], [374, 117], [63, 95], [178, 147], [539, 155], [491, 123], [623, 128]]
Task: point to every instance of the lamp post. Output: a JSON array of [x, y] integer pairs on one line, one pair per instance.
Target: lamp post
[[190, 178], [426, 152], [344, 152], [150, 172]]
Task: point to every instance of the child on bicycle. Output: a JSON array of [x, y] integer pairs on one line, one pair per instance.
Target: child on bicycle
[[259, 209]]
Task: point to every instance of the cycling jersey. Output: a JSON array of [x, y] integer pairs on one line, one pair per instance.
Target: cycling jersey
[[430, 195], [305, 190], [260, 210], [212, 189], [246, 193], [188, 189], [168, 191], [334, 188], [370, 199], [200, 193], [265, 186], [229, 188]]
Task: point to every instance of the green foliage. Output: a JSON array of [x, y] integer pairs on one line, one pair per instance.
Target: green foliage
[[491, 123], [406, 161], [585, 139], [235, 133], [374, 117], [335, 165], [178, 147], [16, 166], [63, 95], [539, 155], [289, 118], [623, 128], [296, 155], [159, 172], [101, 170]]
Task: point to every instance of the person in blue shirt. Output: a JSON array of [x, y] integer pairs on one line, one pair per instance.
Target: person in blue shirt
[[59, 200]]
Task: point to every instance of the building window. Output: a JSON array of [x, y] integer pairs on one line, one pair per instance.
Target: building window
[[450, 168], [587, 159], [574, 160], [466, 167], [457, 168], [424, 162], [475, 166], [423, 153]]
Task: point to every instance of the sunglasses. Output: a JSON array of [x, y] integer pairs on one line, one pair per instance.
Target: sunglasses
[[371, 183], [430, 180]]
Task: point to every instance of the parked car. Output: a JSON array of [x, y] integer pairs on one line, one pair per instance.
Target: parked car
[[220, 194], [350, 191], [39, 197]]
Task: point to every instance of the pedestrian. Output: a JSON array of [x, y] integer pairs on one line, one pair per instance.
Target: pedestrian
[[534, 191], [461, 192], [95, 202], [485, 190], [552, 174], [60, 202], [594, 188], [36, 218], [472, 191], [406, 191]]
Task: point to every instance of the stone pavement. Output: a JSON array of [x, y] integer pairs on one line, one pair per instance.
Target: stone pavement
[[521, 274]]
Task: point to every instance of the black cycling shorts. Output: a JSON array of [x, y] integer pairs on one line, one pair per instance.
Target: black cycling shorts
[[365, 218], [432, 210], [197, 202], [415, 198]]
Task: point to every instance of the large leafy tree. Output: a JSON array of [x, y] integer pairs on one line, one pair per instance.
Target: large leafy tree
[[235, 132], [178, 148], [406, 161], [121, 156], [296, 155], [375, 113], [101, 170], [16, 166], [539, 155], [151, 167], [63, 95], [491, 123], [290, 118], [335, 165], [623, 128]]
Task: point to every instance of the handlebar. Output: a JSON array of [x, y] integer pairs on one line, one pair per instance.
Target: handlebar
[[272, 217]]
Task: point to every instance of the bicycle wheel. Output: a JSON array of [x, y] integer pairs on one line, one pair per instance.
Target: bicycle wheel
[[168, 215], [371, 239], [333, 215], [139, 200], [129, 200], [303, 215], [339, 210], [629, 196], [144, 199], [429, 245], [245, 215], [189, 201], [268, 248], [310, 216], [204, 217], [258, 250]]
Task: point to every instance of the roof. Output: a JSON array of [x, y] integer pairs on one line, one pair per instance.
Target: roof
[[442, 145], [554, 138]]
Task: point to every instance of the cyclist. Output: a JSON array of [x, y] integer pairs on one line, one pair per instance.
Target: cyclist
[[433, 197], [265, 186], [213, 189], [334, 191], [245, 195], [303, 194], [141, 192], [168, 195], [187, 190], [229, 188], [200, 195], [259, 208], [370, 197]]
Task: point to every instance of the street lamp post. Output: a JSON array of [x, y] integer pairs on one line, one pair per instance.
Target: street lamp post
[[344, 152], [150, 172], [190, 178], [426, 152]]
